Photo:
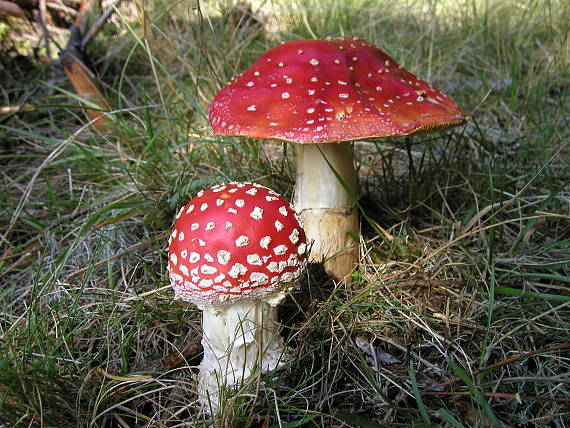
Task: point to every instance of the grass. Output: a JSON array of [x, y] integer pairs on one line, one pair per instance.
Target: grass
[[468, 270]]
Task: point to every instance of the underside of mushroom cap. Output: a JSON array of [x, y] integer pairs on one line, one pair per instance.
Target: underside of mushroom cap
[[321, 91]]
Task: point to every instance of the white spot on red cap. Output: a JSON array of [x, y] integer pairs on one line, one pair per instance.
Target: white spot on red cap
[[251, 108], [280, 250], [240, 203], [278, 225], [181, 236], [208, 270], [301, 248], [174, 259], [259, 278], [184, 269], [224, 257], [294, 236], [237, 270], [257, 213], [208, 257], [210, 226], [190, 209], [228, 224], [264, 242], [283, 210], [194, 226], [242, 241], [194, 257], [285, 95], [252, 191], [254, 259], [205, 283], [314, 61], [204, 207]]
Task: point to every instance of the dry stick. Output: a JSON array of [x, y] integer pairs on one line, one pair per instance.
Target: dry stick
[[505, 362], [98, 26]]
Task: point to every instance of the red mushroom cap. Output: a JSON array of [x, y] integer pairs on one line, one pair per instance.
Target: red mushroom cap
[[235, 241], [320, 91]]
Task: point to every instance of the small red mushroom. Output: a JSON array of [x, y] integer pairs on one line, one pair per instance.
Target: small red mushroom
[[234, 251], [329, 91]]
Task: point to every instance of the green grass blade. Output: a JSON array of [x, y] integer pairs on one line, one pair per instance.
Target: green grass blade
[[417, 394], [509, 291]]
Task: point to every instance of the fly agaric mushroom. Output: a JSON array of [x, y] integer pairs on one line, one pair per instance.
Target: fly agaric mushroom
[[318, 92], [235, 250]]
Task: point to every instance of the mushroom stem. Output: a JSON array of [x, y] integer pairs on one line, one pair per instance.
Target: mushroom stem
[[238, 339], [326, 206]]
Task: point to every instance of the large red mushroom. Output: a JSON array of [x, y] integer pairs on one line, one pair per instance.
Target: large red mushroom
[[324, 94], [234, 251]]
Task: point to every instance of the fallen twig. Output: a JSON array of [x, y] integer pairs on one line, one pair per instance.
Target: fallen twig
[[98, 25]]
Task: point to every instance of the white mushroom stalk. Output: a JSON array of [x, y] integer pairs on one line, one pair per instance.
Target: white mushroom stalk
[[239, 339], [235, 250], [326, 190]]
